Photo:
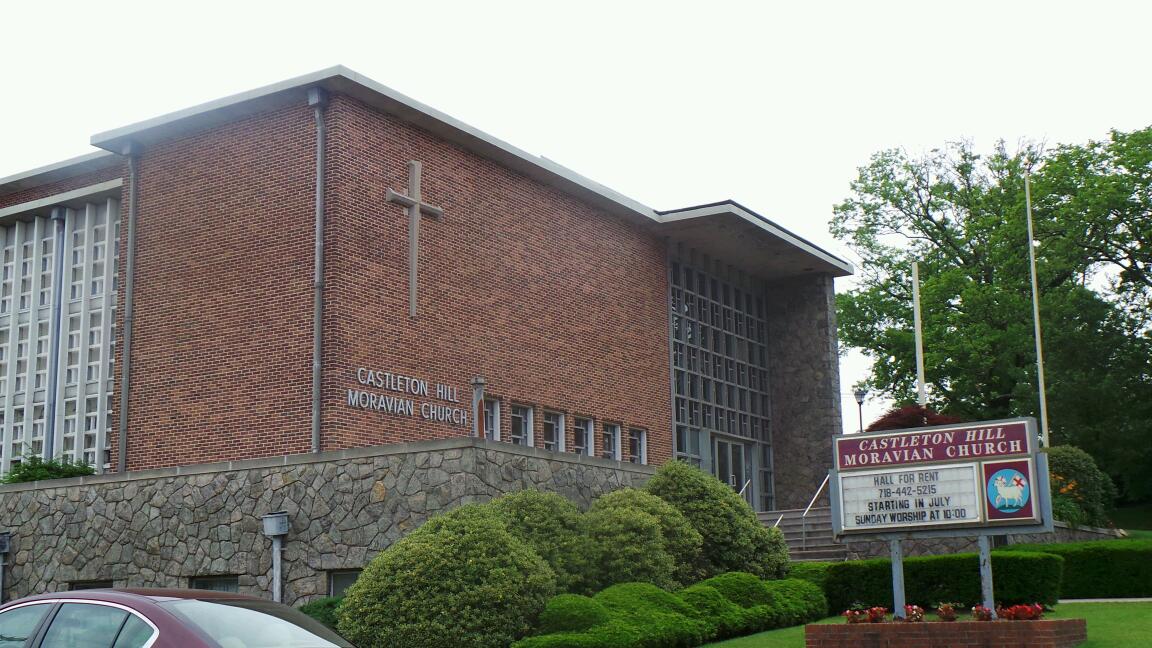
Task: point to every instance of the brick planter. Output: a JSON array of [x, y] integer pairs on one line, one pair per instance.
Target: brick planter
[[1053, 633]]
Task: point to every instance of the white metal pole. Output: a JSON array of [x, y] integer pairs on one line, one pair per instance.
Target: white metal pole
[[1036, 311], [898, 601], [986, 592], [921, 391], [276, 568]]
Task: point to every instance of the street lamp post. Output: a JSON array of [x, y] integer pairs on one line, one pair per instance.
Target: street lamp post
[[860, 394]]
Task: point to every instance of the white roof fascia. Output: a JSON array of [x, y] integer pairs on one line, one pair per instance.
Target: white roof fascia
[[766, 225], [407, 107], [55, 166]]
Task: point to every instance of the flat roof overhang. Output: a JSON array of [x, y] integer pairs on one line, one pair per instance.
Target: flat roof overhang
[[740, 237], [726, 231], [62, 170]]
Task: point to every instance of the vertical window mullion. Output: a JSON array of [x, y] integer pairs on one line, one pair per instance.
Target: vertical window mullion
[[108, 306], [16, 235]]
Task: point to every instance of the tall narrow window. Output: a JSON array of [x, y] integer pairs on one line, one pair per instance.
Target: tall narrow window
[[582, 436], [520, 425], [554, 431], [637, 446], [610, 442], [492, 420]]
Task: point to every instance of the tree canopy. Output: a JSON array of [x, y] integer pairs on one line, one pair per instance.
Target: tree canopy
[[961, 215]]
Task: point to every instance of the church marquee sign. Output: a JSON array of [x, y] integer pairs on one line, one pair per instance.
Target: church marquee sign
[[972, 479]]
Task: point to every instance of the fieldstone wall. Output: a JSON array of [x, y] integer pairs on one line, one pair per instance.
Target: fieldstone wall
[[804, 374], [942, 546], [159, 528]]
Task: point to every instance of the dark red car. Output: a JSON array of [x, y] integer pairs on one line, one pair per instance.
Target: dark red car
[[158, 618]]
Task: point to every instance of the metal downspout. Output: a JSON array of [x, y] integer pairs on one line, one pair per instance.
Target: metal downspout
[[54, 353], [132, 152], [318, 99]]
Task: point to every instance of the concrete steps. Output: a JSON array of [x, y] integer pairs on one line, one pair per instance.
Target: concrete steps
[[809, 537]]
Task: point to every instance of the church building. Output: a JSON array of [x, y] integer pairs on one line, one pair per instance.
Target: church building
[[322, 296]]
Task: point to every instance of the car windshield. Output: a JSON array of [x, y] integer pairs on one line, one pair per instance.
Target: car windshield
[[239, 623]]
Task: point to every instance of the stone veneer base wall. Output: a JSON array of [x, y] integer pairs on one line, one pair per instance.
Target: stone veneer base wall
[[941, 546], [159, 528]]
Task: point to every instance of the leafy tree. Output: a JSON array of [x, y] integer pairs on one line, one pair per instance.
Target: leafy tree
[[910, 416], [961, 216]]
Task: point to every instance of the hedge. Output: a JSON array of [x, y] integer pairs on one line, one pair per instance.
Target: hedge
[[1101, 568], [571, 613], [813, 571], [1018, 577], [681, 541], [324, 609], [640, 615]]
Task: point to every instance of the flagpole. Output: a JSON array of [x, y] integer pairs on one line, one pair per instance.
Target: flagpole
[[921, 390], [1036, 310]]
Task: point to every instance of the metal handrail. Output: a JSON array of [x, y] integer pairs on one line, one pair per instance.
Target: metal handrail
[[817, 495], [778, 521], [745, 487], [804, 516]]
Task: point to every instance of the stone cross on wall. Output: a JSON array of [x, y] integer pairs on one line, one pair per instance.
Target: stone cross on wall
[[416, 207]]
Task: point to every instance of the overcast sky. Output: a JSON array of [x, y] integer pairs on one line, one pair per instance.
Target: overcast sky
[[772, 104]]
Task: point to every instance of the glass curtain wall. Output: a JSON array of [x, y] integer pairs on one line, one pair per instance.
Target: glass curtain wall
[[720, 375], [80, 363]]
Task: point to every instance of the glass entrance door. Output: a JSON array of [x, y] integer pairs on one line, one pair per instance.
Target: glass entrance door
[[732, 466]]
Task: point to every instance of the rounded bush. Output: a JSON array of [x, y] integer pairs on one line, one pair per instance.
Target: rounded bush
[[1076, 480], [460, 580], [629, 547], [571, 613], [681, 541], [734, 539], [741, 588], [662, 619], [796, 601], [711, 607], [552, 526]]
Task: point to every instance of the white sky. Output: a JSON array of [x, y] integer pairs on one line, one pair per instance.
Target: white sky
[[773, 104]]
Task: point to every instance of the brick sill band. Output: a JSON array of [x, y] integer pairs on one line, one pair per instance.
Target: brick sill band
[[1046, 633]]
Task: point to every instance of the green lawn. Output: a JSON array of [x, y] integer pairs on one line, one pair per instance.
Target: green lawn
[[1110, 625], [1133, 517]]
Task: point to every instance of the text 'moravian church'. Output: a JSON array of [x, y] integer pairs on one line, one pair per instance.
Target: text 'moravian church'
[[326, 298]]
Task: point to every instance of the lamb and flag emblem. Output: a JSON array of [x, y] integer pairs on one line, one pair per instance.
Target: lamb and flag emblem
[[1008, 491]]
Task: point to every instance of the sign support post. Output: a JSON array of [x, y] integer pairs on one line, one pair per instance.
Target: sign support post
[[986, 574], [897, 553]]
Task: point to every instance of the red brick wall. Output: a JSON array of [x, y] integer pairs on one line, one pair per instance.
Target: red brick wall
[[1048, 633], [557, 304], [221, 351]]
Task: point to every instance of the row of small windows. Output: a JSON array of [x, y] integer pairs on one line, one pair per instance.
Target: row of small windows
[[561, 432]]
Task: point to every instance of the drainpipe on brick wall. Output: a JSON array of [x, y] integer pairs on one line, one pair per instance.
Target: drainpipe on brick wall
[[54, 353], [132, 152], [318, 99]]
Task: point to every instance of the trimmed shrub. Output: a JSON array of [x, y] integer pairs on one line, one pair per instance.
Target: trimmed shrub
[[629, 547], [681, 541], [1019, 577], [1101, 568], [1075, 478], [750, 594], [741, 588], [664, 620], [734, 539], [554, 528], [459, 580], [571, 613], [714, 608], [812, 571], [324, 610], [796, 601]]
